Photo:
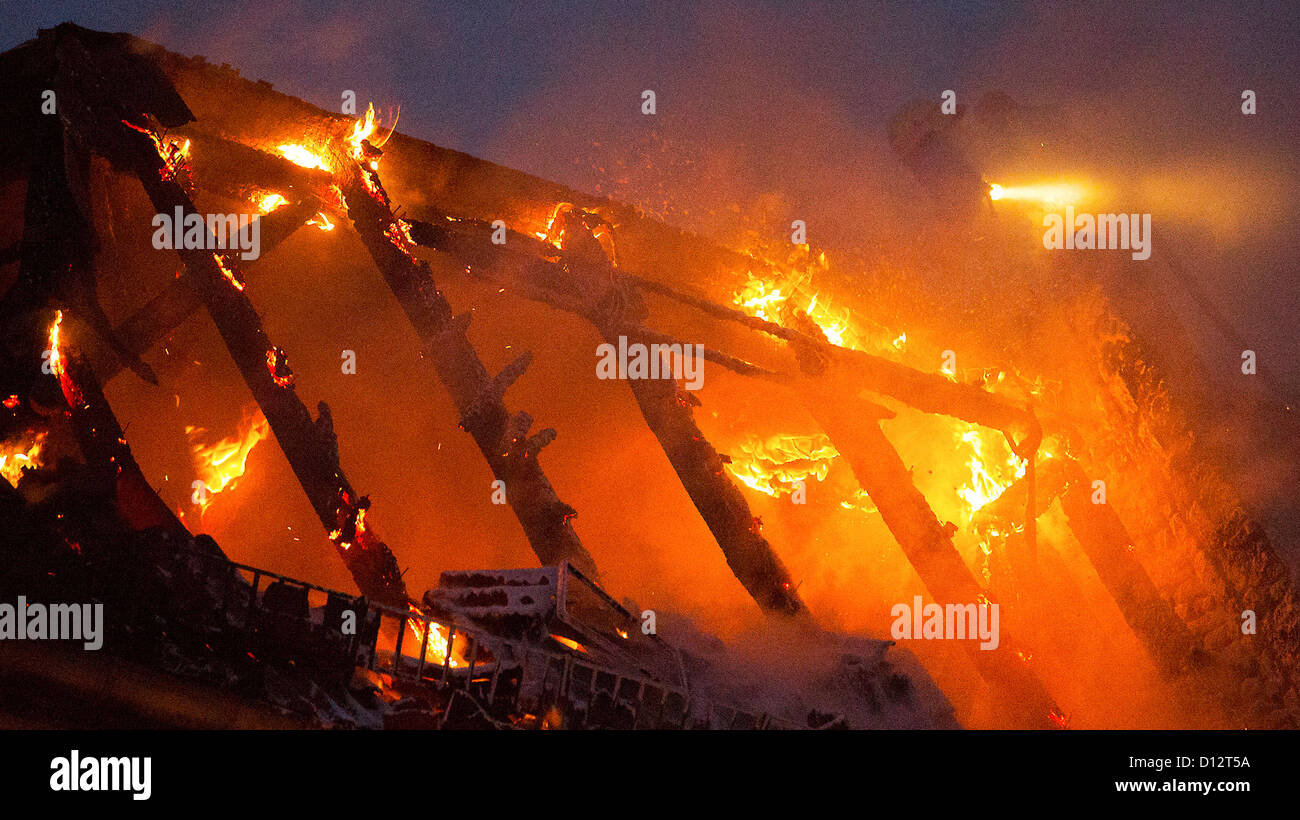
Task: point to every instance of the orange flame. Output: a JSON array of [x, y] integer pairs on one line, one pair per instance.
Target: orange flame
[[267, 201], [21, 453], [221, 465], [772, 298], [773, 466], [302, 157], [175, 155], [436, 651], [228, 273], [990, 473], [56, 359], [321, 221]]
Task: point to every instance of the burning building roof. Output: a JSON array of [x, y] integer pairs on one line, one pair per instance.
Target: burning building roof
[[838, 459]]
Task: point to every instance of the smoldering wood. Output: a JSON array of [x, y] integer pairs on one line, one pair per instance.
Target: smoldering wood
[[178, 300], [500, 436], [104, 446], [309, 445], [467, 239], [591, 288], [883, 474]]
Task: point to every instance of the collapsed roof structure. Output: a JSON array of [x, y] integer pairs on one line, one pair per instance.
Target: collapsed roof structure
[[186, 132]]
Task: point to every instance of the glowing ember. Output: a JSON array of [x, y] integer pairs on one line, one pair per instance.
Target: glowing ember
[[572, 644], [399, 233], [1051, 195], [19, 454], [301, 157], [175, 155], [56, 360], [12, 401], [773, 466], [322, 222], [268, 202], [277, 364], [228, 273], [554, 233], [221, 465]]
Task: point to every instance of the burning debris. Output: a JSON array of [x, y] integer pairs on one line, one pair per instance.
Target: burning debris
[[220, 465], [981, 478]]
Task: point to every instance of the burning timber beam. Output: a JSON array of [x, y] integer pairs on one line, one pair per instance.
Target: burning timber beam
[[501, 437], [94, 108], [591, 288], [1107, 544], [104, 444], [178, 300], [856, 433], [233, 170], [928, 392], [467, 239], [668, 412]]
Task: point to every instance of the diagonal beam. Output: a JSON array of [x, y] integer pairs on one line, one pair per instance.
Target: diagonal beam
[[609, 306], [309, 445], [501, 437]]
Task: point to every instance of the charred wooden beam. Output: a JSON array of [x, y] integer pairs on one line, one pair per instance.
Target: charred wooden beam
[[667, 410], [1108, 546], [104, 444], [888, 481], [501, 437], [309, 445], [178, 300], [589, 287]]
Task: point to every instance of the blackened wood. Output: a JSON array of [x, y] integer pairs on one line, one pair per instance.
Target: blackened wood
[[881, 472], [479, 398], [178, 300], [309, 445], [592, 289]]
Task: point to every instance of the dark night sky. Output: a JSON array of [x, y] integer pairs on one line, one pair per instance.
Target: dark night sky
[[788, 102], [466, 74]]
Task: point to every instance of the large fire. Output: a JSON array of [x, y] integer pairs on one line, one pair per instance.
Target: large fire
[[772, 466], [776, 465], [221, 465]]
